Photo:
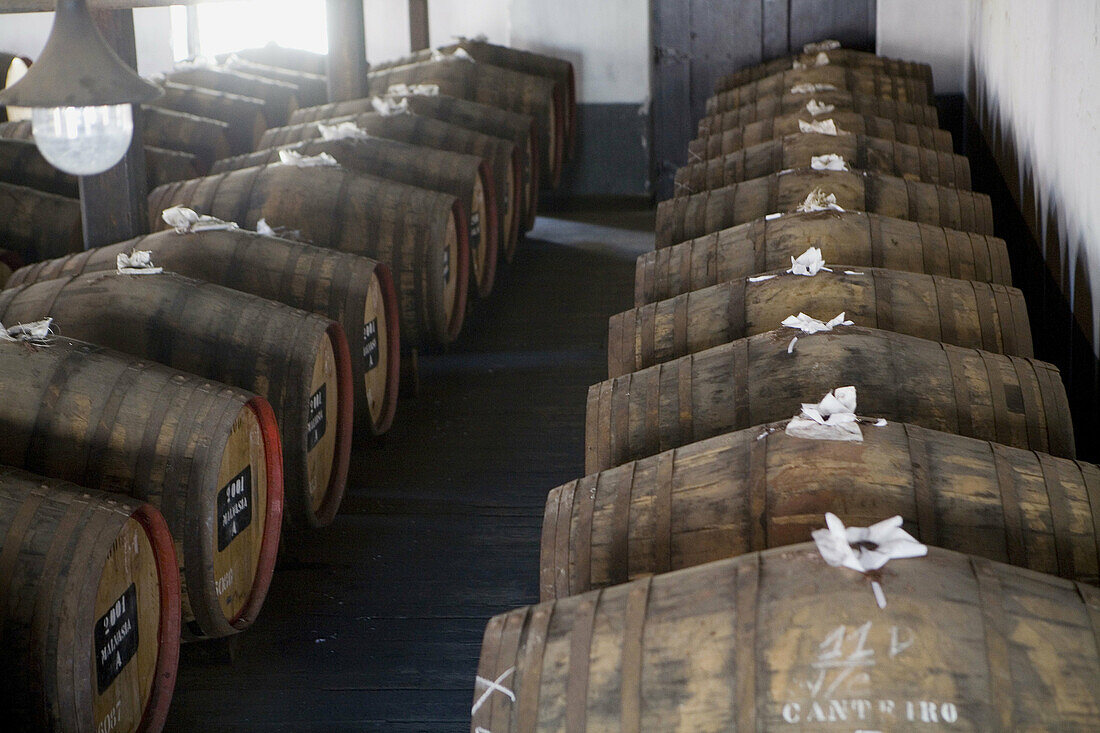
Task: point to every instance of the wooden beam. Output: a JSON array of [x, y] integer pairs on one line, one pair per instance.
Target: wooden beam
[[112, 204], [418, 25], [347, 50]]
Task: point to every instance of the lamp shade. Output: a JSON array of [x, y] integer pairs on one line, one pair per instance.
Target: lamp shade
[[77, 68]]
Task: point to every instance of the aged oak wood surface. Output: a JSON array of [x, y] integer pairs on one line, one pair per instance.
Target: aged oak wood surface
[[501, 155], [730, 141], [759, 487], [798, 150], [781, 641], [868, 82], [242, 340], [376, 623], [844, 238], [421, 235], [960, 312], [845, 57], [465, 177], [356, 291], [483, 118], [186, 445]]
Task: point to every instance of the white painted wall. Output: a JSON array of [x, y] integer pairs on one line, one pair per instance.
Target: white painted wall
[[26, 33], [1034, 68], [931, 31], [607, 40]]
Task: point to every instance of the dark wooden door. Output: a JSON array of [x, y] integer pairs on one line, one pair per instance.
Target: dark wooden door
[[697, 41]]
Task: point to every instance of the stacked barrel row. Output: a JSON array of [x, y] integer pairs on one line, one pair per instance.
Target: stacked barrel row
[[678, 586], [208, 377]]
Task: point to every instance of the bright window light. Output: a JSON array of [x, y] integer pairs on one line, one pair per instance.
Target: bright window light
[[230, 26]]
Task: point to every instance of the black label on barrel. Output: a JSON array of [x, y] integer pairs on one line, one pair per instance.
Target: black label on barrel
[[370, 345], [446, 264], [116, 638], [475, 230], [234, 507], [315, 426]]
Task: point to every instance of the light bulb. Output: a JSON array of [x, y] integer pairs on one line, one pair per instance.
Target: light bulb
[[83, 140]]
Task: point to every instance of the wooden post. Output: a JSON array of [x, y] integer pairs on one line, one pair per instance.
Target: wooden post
[[347, 50], [418, 25], [112, 203]]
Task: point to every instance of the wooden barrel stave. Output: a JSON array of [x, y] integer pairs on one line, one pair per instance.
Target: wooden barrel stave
[[207, 139], [514, 91], [466, 177], [420, 235], [25, 166], [501, 156], [785, 104], [164, 166], [853, 238], [37, 225], [797, 151], [701, 502], [960, 312], [482, 118], [846, 57], [769, 640], [104, 420], [729, 141], [311, 89], [280, 353], [280, 98], [72, 555], [687, 217], [858, 81], [286, 57], [244, 115], [1010, 400], [356, 292]]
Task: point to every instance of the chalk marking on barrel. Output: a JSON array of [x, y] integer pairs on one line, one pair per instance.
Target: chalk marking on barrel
[[490, 685]]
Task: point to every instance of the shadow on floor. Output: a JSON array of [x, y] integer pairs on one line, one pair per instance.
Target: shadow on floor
[[375, 623]]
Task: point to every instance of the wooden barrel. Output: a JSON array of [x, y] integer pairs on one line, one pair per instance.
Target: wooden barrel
[[558, 70], [12, 68], [164, 166], [298, 361], [312, 89], [762, 109], [729, 141], [280, 98], [207, 456], [499, 154], [16, 130], [37, 225], [961, 312], [22, 164], [853, 238], [483, 118], [466, 177], [273, 54], [845, 57], [779, 640], [798, 150], [687, 217], [754, 380], [206, 139], [511, 90], [420, 235], [90, 594], [9, 262], [244, 115], [354, 291], [758, 488], [858, 81]]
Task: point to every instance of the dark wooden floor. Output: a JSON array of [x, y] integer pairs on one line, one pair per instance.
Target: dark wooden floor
[[376, 624]]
